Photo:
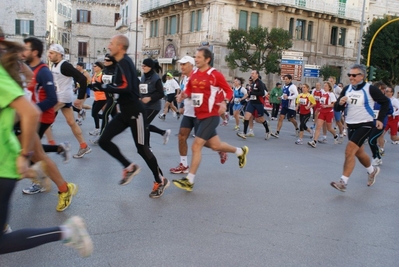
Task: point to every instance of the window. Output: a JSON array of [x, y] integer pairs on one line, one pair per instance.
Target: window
[[82, 49], [174, 25], [341, 8], [254, 22], [310, 31], [83, 16], [291, 27], [195, 22], [166, 26], [243, 20], [300, 29], [154, 28], [341, 36], [300, 2], [334, 35], [80, 59], [24, 27], [65, 39]]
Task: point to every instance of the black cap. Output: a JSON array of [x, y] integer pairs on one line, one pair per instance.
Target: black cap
[[277, 84]]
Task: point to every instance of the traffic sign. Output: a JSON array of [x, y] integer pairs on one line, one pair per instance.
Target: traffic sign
[[291, 53], [311, 71], [291, 61]]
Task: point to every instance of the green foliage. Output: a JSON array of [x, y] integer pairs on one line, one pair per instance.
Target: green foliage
[[384, 52], [326, 71], [257, 49]]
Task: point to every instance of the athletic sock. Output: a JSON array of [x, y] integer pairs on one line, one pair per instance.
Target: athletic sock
[[370, 169], [191, 177], [63, 188], [83, 145], [239, 151], [345, 179], [183, 160], [51, 142]]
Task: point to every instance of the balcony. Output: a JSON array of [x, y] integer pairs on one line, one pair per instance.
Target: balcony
[[121, 24], [149, 5]]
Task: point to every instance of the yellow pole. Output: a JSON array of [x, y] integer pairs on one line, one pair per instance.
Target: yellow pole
[[375, 35]]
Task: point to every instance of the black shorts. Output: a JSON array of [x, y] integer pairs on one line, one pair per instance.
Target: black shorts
[[67, 105], [170, 97], [358, 133], [290, 113], [189, 123], [207, 128], [252, 107]]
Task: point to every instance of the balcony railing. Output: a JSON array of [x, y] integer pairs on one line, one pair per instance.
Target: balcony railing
[[335, 9]]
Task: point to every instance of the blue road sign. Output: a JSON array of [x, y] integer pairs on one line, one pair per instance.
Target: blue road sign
[[292, 61]]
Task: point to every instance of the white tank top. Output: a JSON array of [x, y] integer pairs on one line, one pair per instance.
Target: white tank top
[[63, 84]]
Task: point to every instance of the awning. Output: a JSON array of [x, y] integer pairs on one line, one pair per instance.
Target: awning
[[165, 60]]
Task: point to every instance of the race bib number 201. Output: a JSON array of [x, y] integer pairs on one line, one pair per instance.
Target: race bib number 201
[[197, 99]]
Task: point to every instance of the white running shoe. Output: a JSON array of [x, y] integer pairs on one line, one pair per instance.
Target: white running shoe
[[376, 162], [95, 132], [166, 136], [80, 239]]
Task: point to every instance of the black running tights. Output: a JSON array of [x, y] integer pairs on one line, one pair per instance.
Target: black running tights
[[25, 238]]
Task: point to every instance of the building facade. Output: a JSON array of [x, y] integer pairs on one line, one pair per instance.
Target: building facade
[[327, 32]]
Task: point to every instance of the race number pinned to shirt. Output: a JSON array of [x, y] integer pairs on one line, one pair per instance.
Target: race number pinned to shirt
[[252, 97], [143, 88], [356, 98], [197, 99], [376, 112], [237, 100], [303, 101], [107, 79], [323, 101]]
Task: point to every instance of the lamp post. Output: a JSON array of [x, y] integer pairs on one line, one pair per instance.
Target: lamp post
[[361, 34], [137, 29]]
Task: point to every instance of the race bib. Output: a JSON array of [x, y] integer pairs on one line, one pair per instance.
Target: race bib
[[323, 100], [236, 101], [356, 99], [143, 88], [303, 101], [317, 98], [376, 112], [252, 97], [107, 79], [197, 99]]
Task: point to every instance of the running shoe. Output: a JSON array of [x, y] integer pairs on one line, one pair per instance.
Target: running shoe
[[95, 140], [236, 128], [344, 132], [224, 123], [372, 176], [267, 136], [128, 173], [297, 132], [323, 140], [376, 162], [395, 142], [95, 132], [66, 151], [275, 135], [33, 189], [82, 152], [341, 186], [65, 198], [250, 133], [184, 184], [166, 136], [242, 135], [7, 229], [162, 117], [242, 159], [223, 157], [312, 143], [41, 177], [336, 140], [79, 122], [382, 151], [299, 142], [82, 113], [80, 239], [179, 169], [159, 188]]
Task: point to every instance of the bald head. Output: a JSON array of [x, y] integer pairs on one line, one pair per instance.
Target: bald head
[[122, 40], [118, 46]]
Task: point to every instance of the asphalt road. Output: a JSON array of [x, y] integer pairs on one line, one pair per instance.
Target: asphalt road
[[278, 211]]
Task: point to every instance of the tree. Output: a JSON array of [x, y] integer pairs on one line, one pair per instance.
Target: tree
[[257, 49], [327, 71], [384, 53]]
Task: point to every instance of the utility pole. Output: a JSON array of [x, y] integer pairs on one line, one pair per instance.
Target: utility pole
[[361, 34]]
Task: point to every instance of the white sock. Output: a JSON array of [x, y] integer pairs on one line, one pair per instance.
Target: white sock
[[66, 232], [239, 151], [370, 169], [345, 179], [191, 177], [183, 160]]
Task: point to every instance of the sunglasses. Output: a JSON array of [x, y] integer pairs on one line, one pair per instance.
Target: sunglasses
[[353, 74]]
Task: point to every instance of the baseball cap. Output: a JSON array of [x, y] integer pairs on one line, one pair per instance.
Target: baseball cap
[[278, 83], [186, 59], [57, 48]]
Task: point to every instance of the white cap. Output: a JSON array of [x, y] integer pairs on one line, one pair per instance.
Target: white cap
[[186, 59], [57, 48]]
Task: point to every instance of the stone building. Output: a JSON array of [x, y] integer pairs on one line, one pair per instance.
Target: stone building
[[327, 32]]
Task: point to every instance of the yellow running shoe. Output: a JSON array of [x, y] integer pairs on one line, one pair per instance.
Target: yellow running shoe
[[65, 199], [242, 159], [184, 184]]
